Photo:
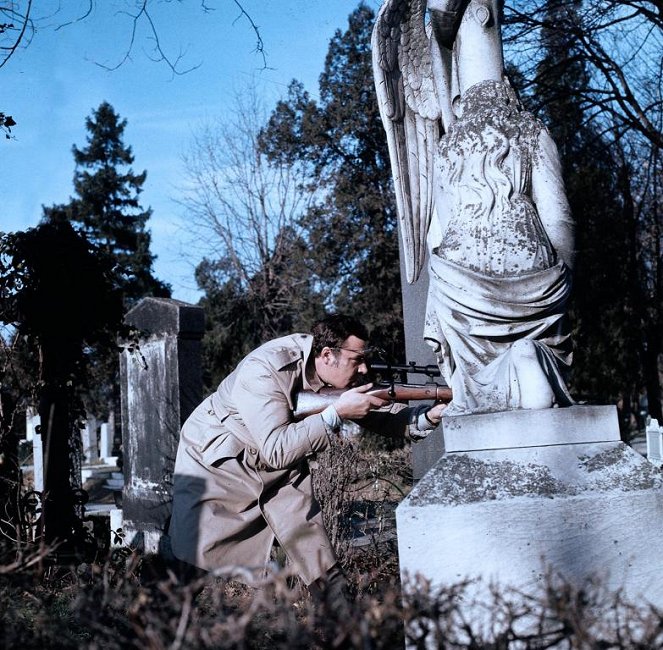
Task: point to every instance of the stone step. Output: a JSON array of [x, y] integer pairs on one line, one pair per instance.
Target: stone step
[[114, 484], [96, 471]]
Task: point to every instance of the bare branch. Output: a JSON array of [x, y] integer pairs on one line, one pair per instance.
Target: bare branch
[[25, 21], [260, 46], [618, 42], [16, 24]]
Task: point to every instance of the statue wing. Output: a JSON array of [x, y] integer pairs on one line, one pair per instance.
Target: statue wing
[[410, 112]]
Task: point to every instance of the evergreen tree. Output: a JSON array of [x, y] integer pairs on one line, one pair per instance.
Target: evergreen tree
[[341, 141], [106, 211], [59, 295], [106, 207]]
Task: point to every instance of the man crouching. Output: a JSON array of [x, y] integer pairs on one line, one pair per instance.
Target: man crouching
[[242, 478]]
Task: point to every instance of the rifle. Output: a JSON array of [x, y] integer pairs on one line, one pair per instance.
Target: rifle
[[309, 402]]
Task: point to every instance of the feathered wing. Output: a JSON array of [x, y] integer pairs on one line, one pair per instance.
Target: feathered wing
[[410, 112]]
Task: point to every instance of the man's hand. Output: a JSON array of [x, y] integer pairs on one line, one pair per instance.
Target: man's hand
[[356, 403], [434, 413]]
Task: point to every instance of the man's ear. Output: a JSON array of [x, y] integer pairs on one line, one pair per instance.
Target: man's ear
[[327, 355]]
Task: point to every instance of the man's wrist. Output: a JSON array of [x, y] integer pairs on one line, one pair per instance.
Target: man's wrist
[[332, 419], [423, 422]]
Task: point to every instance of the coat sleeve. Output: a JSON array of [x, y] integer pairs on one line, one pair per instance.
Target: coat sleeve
[[264, 408]]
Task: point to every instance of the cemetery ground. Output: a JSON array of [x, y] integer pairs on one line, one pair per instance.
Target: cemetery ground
[[122, 599]]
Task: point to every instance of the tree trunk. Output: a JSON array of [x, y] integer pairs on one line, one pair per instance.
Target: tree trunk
[[60, 519]]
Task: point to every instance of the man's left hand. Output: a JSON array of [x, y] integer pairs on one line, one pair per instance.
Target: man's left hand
[[434, 414]]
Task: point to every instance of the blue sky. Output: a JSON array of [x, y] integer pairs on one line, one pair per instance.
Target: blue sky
[[52, 85]]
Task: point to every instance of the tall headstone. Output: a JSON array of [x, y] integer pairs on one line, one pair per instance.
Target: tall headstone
[[161, 385], [428, 451]]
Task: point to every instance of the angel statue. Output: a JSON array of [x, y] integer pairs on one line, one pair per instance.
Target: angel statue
[[478, 184]]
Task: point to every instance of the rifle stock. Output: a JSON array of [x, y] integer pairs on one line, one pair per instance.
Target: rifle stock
[[309, 403]]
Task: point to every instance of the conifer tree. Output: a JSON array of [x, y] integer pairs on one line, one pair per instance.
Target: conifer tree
[[106, 211], [352, 226], [106, 208]]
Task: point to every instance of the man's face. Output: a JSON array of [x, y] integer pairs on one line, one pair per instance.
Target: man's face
[[341, 367]]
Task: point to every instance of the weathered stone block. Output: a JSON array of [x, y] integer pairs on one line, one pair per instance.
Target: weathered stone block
[[505, 515], [161, 385]]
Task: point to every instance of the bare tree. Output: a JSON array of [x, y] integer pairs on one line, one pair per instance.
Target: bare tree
[[19, 19], [622, 44], [244, 214]]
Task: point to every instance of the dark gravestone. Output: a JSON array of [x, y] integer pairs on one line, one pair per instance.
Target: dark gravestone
[[427, 452], [161, 385]]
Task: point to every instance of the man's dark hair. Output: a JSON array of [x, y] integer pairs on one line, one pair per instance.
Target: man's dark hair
[[332, 330]]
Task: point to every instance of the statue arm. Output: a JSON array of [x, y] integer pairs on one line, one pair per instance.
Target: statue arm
[[549, 196]]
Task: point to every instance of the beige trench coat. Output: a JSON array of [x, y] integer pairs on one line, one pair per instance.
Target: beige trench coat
[[241, 474]]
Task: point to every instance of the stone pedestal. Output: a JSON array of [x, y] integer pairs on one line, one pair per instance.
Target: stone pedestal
[[521, 492], [161, 384]]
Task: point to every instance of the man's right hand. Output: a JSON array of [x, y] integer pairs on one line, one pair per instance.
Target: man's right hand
[[356, 402]]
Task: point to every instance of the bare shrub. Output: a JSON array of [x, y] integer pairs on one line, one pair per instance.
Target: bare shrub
[[125, 604], [333, 472], [560, 615]]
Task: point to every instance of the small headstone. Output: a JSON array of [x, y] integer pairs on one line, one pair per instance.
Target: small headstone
[[654, 435], [90, 445], [31, 421], [37, 455], [105, 441], [117, 537]]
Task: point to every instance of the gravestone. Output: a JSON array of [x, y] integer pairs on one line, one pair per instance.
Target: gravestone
[[33, 433], [90, 443], [161, 385], [31, 421], [429, 450], [515, 486], [106, 435], [654, 437]]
